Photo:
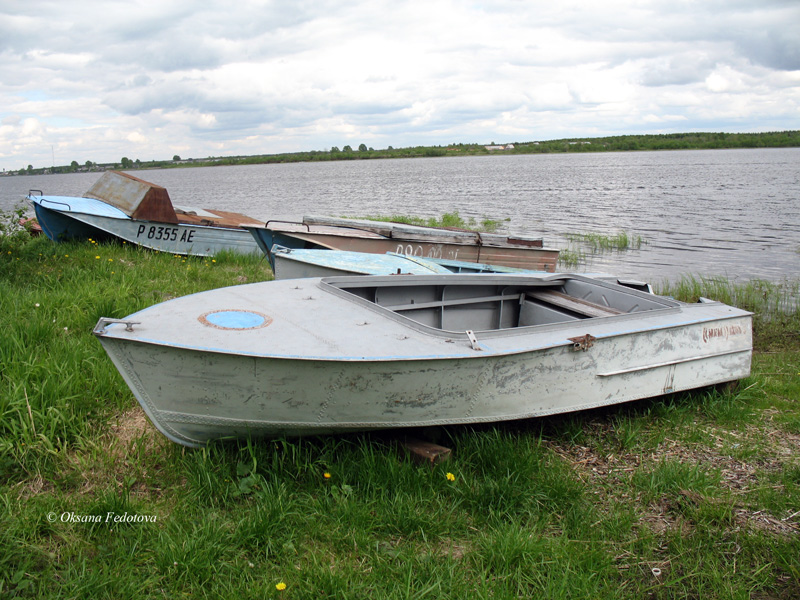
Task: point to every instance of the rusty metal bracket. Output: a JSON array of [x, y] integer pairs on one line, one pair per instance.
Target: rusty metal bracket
[[473, 340], [582, 342]]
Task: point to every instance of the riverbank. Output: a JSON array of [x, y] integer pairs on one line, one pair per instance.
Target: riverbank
[[622, 143], [694, 494]]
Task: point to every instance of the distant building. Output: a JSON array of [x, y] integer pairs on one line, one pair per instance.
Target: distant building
[[494, 148]]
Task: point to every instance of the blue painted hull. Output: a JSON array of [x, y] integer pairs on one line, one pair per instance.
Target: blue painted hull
[[86, 218], [59, 226]]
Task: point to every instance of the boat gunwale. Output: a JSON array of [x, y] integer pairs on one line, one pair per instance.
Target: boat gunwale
[[69, 211], [353, 232], [123, 217], [589, 325]]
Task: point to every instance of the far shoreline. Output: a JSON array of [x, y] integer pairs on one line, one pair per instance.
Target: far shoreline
[[586, 145]]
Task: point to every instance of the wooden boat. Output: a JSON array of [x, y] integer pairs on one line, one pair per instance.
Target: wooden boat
[[314, 356], [426, 242], [136, 211]]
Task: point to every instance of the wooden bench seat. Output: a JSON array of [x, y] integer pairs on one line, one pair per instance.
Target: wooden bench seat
[[576, 305]]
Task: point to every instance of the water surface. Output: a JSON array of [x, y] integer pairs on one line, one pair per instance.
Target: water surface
[[706, 212]]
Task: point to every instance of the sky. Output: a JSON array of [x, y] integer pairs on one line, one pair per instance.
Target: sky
[[98, 81]]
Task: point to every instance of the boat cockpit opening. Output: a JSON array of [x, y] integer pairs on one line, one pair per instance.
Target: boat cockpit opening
[[490, 305]]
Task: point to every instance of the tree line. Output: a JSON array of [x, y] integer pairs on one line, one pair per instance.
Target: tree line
[[622, 143]]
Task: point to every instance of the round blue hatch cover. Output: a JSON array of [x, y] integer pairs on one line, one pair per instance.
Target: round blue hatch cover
[[235, 319]]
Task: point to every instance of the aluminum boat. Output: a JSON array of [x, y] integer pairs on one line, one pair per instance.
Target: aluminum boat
[[339, 354], [122, 206]]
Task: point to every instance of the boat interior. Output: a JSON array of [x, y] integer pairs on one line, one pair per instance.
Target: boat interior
[[485, 303]]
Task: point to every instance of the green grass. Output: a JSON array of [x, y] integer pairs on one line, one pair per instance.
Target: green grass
[[447, 220], [570, 258], [692, 495], [581, 244], [775, 306], [597, 242]]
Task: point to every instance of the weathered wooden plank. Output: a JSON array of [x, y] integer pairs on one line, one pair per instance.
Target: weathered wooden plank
[[423, 451], [583, 307]]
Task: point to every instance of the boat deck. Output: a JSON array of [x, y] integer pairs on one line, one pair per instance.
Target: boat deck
[[355, 319], [213, 218]]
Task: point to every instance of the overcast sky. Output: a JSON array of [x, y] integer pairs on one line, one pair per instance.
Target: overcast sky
[[96, 81]]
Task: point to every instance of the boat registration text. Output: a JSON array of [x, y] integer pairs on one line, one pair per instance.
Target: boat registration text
[[724, 331], [159, 232]]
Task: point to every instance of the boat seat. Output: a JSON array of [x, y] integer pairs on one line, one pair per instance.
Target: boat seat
[[576, 305]]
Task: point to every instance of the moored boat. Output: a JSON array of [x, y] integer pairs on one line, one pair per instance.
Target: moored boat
[[125, 207], [313, 356], [292, 263], [425, 242]]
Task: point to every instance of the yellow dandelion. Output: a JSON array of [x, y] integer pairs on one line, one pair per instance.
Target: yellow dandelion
[[280, 586], [326, 475], [450, 477], [97, 257]]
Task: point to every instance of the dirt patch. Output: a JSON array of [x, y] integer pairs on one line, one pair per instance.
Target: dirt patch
[[127, 457], [610, 473], [34, 486], [131, 425]]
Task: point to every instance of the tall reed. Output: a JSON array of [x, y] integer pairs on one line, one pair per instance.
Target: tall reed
[[447, 220], [775, 305], [603, 242]]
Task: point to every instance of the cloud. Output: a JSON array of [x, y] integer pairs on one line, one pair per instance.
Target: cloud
[[125, 77]]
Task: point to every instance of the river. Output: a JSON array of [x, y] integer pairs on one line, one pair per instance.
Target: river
[[734, 213]]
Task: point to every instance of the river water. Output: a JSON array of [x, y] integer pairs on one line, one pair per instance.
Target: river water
[[734, 213]]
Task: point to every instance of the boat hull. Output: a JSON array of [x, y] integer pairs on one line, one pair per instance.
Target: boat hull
[[302, 368], [221, 395], [518, 257], [298, 264], [175, 238], [61, 226]]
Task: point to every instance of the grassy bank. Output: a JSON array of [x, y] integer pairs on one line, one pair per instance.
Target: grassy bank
[[692, 495]]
